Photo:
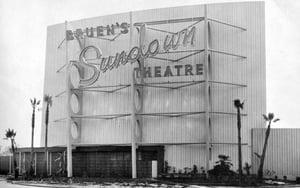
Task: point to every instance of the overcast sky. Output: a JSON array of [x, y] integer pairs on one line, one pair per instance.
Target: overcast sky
[[23, 27]]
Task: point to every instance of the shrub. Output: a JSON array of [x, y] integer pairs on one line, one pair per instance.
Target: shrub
[[247, 168], [167, 168], [195, 170], [222, 167]]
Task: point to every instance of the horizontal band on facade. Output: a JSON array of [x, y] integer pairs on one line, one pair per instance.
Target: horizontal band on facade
[[169, 52], [196, 51], [163, 114], [188, 20], [160, 144], [196, 19], [170, 21], [153, 84]]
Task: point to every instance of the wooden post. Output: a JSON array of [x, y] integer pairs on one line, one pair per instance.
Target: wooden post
[[20, 162], [35, 163], [50, 167], [47, 158], [24, 161], [10, 161], [64, 164]]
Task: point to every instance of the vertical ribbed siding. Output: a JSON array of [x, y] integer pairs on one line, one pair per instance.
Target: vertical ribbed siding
[[283, 153], [55, 58], [189, 99], [120, 75], [249, 71], [181, 156], [115, 131]]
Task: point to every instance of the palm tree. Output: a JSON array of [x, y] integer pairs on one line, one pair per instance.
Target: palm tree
[[34, 103], [238, 105], [268, 118], [11, 134], [48, 101]]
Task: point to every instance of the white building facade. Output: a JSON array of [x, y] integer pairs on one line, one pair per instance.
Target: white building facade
[[157, 85]]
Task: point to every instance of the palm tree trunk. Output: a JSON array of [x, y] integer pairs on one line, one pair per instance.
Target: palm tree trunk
[[262, 159], [32, 140], [14, 158], [239, 144], [46, 140]]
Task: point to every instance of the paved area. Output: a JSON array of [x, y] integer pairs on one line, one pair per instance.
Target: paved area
[[24, 184], [4, 184]]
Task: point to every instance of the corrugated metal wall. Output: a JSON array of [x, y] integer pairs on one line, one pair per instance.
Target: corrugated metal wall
[[283, 152], [189, 99], [250, 71], [54, 84], [116, 131], [164, 130]]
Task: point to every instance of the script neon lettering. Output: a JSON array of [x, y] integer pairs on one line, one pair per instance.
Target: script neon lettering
[[136, 53], [83, 63]]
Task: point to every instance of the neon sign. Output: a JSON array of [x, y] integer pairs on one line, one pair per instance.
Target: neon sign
[[99, 31], [170, 71], [183, 37]]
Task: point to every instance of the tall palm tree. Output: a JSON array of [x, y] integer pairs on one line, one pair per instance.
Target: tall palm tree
[[238, 105], [34, 104], [11, 134], [48, 101], [268, 118]]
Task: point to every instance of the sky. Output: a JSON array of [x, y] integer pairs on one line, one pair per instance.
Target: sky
[[23, 26]]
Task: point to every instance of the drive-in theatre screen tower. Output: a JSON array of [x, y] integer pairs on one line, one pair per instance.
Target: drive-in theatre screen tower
[[133, 90]]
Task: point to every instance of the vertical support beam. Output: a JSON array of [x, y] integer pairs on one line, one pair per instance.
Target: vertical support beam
[[207, 98], [69, 120], [137, 120], [133, 117], [133, 129], [24, 162], [20, 162], [10, 161], [50, 166], [140, 80], [64, 160], [35, 163], [79, 94], [47, 162], [252, 152]]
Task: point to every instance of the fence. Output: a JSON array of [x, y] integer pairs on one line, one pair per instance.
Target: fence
[[282, 155], [55, 161], [87, 162]]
